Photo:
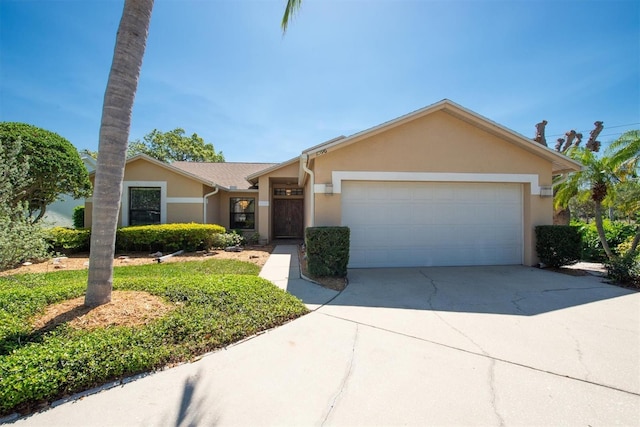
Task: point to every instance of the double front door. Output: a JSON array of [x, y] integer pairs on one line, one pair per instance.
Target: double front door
[[288, 218]]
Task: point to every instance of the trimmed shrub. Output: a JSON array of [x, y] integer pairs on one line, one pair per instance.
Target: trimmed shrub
[[224, 240], [558, 245], [327, 251], [68, 240], [78, 217], [20, 241], [615, 232], [623, 248], [168, 237], [624, 270]]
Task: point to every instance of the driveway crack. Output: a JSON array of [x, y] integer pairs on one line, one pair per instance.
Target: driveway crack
[[492, 361], [492, 391], [432, 295], [345, 379], [579, 352]]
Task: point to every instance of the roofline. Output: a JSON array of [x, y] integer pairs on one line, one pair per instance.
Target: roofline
[[258, 174], [169, 167], [564, 163]]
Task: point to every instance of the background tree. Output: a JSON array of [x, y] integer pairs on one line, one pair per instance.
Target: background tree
[[598, 176], [625, 158], [571, 140], [55, 167], [20, 239], [175, 146], [90, 153]]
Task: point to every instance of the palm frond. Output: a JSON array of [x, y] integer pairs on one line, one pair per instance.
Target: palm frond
[[625, 153], [289, 11]]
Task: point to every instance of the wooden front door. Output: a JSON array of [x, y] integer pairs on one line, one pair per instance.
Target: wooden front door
[[288, 218]]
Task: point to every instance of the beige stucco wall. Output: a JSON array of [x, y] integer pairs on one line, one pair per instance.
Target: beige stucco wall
[[438, 142], [183, 190]]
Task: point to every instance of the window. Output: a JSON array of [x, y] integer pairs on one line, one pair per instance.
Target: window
[[144, 205], [242, 213], [288, 192]]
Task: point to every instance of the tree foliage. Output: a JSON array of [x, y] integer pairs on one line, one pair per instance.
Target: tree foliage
[[175, 146], [20, 240], [54, 167], [625, 153]]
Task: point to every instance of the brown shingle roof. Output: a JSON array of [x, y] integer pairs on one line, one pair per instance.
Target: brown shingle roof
[[226, 175]]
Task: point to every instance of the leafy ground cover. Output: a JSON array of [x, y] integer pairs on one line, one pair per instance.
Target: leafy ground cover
[[203, 306]]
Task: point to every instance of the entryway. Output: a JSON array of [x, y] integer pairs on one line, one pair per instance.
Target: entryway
[[288, 218]]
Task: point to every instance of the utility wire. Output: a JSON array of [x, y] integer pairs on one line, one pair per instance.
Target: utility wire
[[605, 127]]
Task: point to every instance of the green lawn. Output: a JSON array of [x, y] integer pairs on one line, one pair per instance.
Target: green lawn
[[219, 302]]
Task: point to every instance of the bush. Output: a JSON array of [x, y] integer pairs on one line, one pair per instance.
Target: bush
[[211, 310], [624, 270], [78, 217], [327, 251], [20, 241], [224, 240], [558, 245], [165, 237], [625, 247], [68, 240], [615, 232], [168, 237]]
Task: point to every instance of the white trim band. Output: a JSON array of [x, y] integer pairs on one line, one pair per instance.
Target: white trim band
[[197, 200], [339, 176]]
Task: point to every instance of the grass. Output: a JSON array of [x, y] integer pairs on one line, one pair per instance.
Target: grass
[[218, 302]]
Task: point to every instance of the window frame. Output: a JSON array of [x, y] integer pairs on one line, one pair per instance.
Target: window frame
[[249, 216], [156, 213]]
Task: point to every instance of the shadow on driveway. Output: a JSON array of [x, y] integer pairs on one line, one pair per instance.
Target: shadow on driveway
[[514, 290]]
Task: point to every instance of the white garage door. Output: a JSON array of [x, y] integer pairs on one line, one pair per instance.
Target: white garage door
[[414, 224]]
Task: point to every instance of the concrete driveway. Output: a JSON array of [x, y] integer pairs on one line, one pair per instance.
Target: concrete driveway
[[430, 346]]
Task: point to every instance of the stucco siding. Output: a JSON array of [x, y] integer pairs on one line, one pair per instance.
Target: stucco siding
[[177, 185], [438, 142], [184, 213]]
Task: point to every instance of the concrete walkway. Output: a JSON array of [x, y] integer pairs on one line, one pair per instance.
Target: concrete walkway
[[283, 269]]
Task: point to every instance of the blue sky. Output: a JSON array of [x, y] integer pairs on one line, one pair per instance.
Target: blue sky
[[222, 68]]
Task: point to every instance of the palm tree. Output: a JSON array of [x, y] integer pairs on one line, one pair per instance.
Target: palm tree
[[131, 42], [625, 158], [598, 175], [129, 50]]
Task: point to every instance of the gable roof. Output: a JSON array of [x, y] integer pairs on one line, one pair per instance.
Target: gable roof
[[228, 176], [561, 163], [164, 166]]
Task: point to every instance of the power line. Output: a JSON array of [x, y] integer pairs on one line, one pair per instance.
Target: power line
[[606, 127]]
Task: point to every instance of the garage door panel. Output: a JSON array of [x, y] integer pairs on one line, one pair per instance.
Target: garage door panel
[[425, 224]]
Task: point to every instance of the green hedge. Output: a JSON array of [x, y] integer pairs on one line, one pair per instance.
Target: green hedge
[[165, 237], [616, 232], [68, 240], [327, 251], [558, 245], [78, 217]]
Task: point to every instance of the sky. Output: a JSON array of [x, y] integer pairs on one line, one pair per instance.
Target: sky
[[223, 68]]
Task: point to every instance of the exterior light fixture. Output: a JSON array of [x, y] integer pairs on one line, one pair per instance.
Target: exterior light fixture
[[328, 189], [546, 191]]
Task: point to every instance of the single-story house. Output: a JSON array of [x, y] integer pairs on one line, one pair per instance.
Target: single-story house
[[439, 186]]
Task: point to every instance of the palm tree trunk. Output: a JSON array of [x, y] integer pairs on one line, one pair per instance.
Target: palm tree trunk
[[635, 242], [600, 228], [129, 50]]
